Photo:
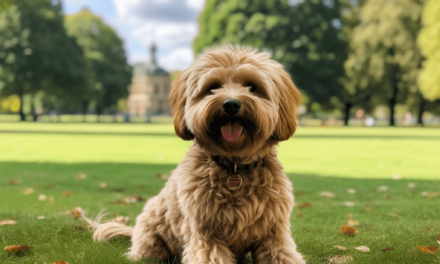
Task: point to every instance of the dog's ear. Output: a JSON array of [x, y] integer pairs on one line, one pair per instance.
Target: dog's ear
[[289, 101], [178, 102]]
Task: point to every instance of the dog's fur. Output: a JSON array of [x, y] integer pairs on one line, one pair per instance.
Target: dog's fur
[[196, 217]]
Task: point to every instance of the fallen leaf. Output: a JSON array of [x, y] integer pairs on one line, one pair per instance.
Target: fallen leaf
[[394, 215], [397, 177], [304, 205], [60, 262], [368, 209], [429, 250], [411, 185], [327, 194], [133, 199], [28, 191], [350, 204], [40, 217], [387, 249], [299, 215], [363, 248], [80, 176], [349, 230], [339, 247], [353, 223], [382, 188], [7, 222], [13, 181], [162, 176], [121, 219], [103, 185], [67, 193], [438, 240], [77, 212], [387, 196], [42, 197], [299, 193], [351, 191], [17, 248], [341, 259]]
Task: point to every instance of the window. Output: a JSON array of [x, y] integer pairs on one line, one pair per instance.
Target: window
[[156, 89]]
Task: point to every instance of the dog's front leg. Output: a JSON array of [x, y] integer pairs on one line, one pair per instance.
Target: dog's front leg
[[200, 250], [279, 249]]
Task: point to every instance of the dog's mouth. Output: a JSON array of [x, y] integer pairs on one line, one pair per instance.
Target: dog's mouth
[[231, 131]]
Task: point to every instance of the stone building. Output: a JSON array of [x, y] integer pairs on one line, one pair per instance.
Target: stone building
[[150, 88]]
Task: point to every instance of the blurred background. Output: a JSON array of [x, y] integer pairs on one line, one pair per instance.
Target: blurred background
[[356, 62]]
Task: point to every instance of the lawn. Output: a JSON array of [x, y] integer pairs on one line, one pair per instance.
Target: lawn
[[127, 157]]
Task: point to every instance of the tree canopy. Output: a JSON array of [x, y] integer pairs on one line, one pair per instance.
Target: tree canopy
[[429, 42], [108, 71]]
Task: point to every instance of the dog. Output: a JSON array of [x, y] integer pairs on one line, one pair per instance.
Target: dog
[[229, 196]]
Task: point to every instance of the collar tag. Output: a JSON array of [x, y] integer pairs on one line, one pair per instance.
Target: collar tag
[[235, 168]]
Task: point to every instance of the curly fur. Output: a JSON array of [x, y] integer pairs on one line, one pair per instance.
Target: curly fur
[[196, 217]]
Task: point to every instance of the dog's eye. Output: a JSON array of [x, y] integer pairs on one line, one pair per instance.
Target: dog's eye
[[214, 86], [252, 87]]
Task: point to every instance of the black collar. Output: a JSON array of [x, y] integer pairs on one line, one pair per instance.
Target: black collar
[[235, 168]]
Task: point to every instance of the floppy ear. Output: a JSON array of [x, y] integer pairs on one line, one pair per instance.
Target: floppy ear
[[289, 101], [177, 102]]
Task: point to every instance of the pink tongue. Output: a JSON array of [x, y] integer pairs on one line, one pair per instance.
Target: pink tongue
[[231, 132]]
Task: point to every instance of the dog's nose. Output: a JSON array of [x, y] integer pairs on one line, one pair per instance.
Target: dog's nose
[[231, 106]]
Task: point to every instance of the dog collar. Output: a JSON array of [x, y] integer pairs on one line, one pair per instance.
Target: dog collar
[[235, 168]]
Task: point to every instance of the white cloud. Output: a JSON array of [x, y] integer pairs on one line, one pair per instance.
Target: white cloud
[[178, 59]]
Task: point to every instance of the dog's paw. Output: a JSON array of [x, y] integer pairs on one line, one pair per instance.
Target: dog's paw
[[133, 256]]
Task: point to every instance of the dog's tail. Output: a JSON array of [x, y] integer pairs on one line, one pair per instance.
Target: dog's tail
[[107, 230]]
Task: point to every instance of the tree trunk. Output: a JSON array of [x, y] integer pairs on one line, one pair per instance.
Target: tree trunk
[[34, 115], [421, 110], [21, 95], [347, 113], [393, 99], [85, 107]]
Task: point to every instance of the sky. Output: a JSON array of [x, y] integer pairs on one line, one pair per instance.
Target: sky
[[171, 24]]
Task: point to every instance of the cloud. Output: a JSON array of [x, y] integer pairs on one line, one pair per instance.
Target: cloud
[[178, 59]]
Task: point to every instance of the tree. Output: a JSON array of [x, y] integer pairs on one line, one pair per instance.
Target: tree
[[108, 71], [36, 53], [305, 36], [429, 42], [384, 60]]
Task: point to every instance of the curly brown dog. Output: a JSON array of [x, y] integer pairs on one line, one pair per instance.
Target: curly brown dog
[[229, 196]]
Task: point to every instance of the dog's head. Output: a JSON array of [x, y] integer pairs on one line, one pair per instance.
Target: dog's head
[[234, 101]]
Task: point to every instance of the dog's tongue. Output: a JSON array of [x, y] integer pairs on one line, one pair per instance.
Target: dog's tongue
[[231, 132]]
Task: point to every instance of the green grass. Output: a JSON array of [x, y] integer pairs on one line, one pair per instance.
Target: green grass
[[127, 157]]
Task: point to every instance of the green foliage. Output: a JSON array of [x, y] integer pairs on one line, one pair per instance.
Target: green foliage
[[108, 72], [429, 42], [36, 53], [384, 61], [306, 37]]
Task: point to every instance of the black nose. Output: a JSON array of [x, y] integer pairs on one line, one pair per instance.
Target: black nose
[[231, 106]]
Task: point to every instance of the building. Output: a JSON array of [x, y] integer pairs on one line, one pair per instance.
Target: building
[[150, 88]]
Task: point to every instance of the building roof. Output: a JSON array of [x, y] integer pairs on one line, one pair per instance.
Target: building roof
[[150, 67]]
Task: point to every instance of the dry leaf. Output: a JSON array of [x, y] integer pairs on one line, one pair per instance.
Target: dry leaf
[[13, 181], [438, 240], [327, 194], [341, 259], [299, 215], [121, 219], [368, 209], [103, 185], [339, 247], [397, 177], [133, 199], [382, 188], [299, 193], [353, 223], [78, 212], [162, 176], [429, 250], [7, 222], [42, 197], [394, 215], [349, 230], [40, 217], [17, 248], [411, 185], [387, 249], [28, 191], [351, 191], [60, 262], [363, 248], [80, 176], [350, 204], [387, 196], [67, 193], [304, 205]]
